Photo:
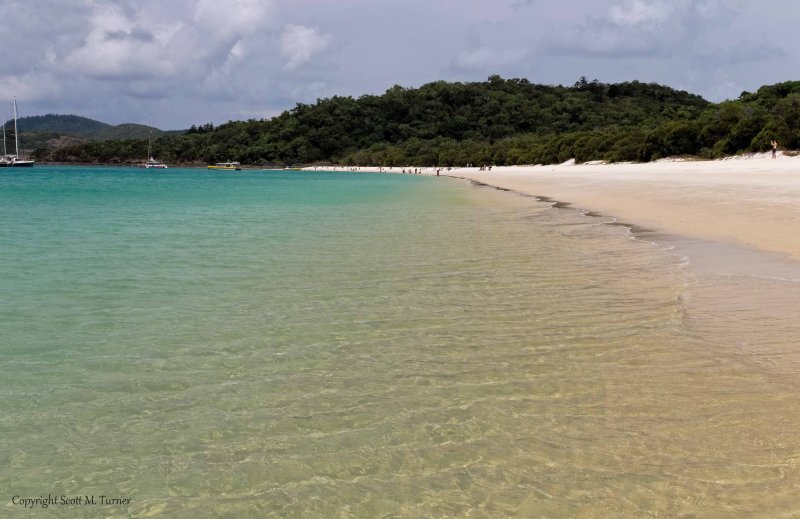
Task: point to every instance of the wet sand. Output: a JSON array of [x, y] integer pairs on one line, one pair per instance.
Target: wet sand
[[751, 202]]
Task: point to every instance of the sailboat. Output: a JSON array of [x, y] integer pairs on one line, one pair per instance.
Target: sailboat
[[5, 160], [151, 163], [14, 161]]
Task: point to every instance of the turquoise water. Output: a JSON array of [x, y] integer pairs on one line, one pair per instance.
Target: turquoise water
[[286, 344]]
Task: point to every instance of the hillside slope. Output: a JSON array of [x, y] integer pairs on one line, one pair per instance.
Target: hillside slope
[[498, 121], [81, 127]]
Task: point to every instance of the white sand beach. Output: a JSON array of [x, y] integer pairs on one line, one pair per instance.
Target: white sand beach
[[754, 201]]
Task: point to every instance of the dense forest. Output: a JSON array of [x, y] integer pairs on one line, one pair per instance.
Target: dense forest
[[499, 121]]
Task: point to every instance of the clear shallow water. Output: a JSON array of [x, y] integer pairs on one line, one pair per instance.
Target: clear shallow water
[[352, 345]]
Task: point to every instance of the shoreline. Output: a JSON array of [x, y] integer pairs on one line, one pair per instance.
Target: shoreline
[[752, 202], [749, 201]]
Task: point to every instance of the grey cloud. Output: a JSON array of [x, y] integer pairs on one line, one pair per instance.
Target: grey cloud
[[633, 28], [522, 4], [135, 34], [196, 61], [741, 54]]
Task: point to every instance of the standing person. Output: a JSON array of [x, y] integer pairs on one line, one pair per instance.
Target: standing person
[[774, 147]]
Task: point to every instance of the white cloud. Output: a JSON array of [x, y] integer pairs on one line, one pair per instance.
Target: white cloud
[[119, 46], [35, 85], [237, 52], [652, 29], [299, 44], [232, 18], [638, 12], [143, 43], [632, 28]]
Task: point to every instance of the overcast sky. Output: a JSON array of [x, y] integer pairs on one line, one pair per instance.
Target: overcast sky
[[185, 62]]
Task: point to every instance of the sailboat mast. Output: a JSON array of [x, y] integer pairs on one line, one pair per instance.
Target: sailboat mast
[[16, 133], [4, 138], [150, 140]]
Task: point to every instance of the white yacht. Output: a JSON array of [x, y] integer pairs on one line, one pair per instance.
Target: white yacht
[[13, 161]]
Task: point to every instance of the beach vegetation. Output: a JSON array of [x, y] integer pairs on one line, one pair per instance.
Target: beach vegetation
[[498, 121], [774, 129]]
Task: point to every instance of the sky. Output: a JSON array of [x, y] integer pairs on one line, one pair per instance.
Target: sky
[[177, 63]]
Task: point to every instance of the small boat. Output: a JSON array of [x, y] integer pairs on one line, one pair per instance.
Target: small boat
[[229, 166], [151, 163], [13, 161], [17, 162]]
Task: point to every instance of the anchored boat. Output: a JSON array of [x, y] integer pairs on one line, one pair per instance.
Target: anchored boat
[[151, 163], [230, 166], [13, 161]]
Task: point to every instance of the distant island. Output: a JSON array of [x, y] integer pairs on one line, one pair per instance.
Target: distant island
[[45, 134], [498, 121]]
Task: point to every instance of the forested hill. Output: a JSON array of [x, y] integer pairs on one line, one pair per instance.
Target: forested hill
[[81, 127], [61, 124], [497, 121]]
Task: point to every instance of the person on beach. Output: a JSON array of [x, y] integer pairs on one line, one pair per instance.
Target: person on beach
[[774, 147]]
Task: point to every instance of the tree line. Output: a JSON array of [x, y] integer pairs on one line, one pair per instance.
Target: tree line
[[498, 121]]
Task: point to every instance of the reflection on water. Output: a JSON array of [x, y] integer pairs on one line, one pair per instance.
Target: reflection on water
[[484, 356]]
